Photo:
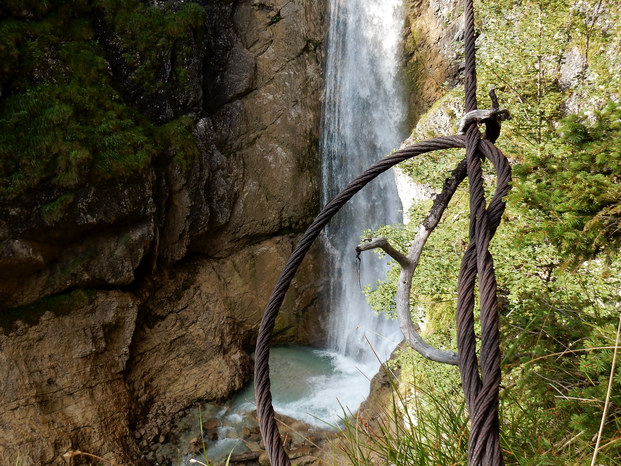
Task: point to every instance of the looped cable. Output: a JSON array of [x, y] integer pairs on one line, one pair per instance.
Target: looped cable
[[480, 389]]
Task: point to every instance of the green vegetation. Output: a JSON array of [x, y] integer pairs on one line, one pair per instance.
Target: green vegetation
[[576, 195], [151, 33], [54, 211], [62, 119], [567, 114], [418, 427], [556, 253], [177, 136]]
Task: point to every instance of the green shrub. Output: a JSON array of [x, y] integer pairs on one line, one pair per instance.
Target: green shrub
[[62, 121]]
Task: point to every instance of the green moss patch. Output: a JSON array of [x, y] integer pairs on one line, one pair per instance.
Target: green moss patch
[[62, 120], [30, 314]]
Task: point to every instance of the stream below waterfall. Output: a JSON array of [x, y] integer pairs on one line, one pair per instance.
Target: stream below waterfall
[[318, 387]]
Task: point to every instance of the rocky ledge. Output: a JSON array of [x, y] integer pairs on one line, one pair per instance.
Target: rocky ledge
[[132, 284]]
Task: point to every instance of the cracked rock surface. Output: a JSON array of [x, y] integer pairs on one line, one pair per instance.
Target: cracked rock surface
[[136, 297]]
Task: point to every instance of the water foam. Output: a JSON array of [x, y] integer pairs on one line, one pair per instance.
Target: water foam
[[364, 119]]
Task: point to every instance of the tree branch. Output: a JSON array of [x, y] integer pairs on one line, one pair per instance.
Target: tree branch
[[382, 243], [411, 331]]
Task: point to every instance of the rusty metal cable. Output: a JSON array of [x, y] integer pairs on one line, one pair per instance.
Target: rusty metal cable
[[265, 411], [480, 388]]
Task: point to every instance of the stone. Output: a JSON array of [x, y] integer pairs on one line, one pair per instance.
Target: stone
[[432, 51], [254, 446], [251, 433], [63, 384], [572, 69], [210, 322], [195, 445], [210, 425], [180, 257], [264, 460], [307, 460], [303, 450]]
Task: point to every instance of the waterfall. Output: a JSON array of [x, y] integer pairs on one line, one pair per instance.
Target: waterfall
[[363, 120]]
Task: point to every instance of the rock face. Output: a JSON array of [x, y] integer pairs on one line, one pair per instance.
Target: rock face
[[432, 38], [128, 296], [268, 98], [99, 239], [63, 386], [199, 328], [178, 258], [433, 41]]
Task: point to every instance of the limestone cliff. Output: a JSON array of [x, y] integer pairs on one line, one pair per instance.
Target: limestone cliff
[[157, 161], [432, 50], [162, 160]]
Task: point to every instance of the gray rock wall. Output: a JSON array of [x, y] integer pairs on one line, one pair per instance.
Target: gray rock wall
[[179, 260]]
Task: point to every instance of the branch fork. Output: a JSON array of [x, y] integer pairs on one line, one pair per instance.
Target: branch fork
[[409, 262]]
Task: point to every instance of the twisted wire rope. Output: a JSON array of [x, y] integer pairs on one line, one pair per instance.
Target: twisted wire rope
[[265, 411], [480, 388]]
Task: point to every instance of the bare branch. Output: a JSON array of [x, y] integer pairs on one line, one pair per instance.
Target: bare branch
[[411, 331], [382, 243]]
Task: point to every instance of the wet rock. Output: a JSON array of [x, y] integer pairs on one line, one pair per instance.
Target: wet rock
[[264, 460], [195, 445], [254, 446], [249, 433], [96, 236], [245, 457], [211, 425]]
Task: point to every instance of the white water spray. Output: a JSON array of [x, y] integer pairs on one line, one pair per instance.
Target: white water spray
[[363, 120]]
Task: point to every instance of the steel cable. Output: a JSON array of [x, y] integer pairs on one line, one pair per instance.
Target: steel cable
[[265, 411], [480, 388]]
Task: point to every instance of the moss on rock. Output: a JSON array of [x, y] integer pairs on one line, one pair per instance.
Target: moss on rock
[[63, 119]]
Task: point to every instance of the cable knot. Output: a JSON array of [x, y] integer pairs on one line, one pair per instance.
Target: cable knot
[[492, 119]]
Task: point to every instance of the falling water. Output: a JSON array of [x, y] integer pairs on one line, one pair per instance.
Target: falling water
[[363, 120]]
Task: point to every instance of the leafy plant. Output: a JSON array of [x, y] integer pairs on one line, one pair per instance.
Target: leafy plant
[[574, 187], [419, 426], [151, 34], [556, 252], [62, 120]]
